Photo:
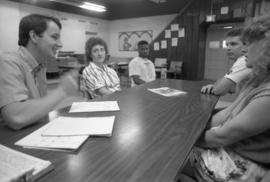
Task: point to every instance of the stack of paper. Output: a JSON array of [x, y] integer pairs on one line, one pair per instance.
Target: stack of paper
[[69, 133], [166, 91], [70, 126], [94, 106], [17, 166], [36, 140]]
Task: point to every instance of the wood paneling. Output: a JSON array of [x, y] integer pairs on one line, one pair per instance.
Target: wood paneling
[[191, 48]]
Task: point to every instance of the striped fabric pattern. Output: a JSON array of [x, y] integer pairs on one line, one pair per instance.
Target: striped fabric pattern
[[95, 77]]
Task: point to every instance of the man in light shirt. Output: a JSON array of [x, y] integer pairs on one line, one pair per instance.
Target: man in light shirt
[[237, 73], [141, 69], [23, 93]]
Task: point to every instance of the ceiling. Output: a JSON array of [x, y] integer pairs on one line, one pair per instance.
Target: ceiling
[[116, 9]]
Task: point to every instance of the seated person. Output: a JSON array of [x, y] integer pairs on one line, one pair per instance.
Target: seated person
[[238, 72], [236, 146], [140, 68], [23, 96], [97, 78]]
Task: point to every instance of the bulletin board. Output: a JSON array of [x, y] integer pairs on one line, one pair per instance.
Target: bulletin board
[[171, 38], [128, 40]]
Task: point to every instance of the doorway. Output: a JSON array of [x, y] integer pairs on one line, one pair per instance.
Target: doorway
[[216, 61]]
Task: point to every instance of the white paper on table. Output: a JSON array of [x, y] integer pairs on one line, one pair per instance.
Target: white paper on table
[[36, 140], [16, 165], [164, 44], [181, 32], [167, 33], [174, 42], [167, 92], [75, 126], [156, 46], [94, 106], [175, 27]]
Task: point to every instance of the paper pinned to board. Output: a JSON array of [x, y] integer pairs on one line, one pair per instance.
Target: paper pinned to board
[[77, 126], [156, 46], [164, 44], [181, 32], [174, 27], [94, 106], [174, 42], [168, 34]]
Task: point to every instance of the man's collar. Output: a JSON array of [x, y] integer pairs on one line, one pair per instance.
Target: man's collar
[[28, 58], [145, 60]]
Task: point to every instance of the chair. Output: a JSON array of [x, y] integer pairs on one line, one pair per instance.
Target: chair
[[81, 85], [176, 68], [159, 63]]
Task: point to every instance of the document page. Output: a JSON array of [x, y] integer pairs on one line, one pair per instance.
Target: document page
[[94, 106], [167, 92], [16, 165], [36, 140], [76, 126]]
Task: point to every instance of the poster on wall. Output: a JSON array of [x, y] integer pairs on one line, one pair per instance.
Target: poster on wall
[[128, 40], [174, 42], [181, 32], [164, 44], [156, 46]]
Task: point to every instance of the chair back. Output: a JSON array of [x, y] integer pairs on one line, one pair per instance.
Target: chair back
[[176, 66], [159, 63]]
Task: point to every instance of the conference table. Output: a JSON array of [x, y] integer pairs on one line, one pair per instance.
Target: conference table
[[152, 137]]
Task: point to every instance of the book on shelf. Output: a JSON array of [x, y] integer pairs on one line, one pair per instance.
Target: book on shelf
[[18, 166]]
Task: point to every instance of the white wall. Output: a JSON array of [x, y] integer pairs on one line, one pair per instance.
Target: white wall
[[154, 23], [73, 30], [9, 24], [74, 27]]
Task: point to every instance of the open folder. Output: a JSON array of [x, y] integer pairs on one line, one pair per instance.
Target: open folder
[[76, 126]]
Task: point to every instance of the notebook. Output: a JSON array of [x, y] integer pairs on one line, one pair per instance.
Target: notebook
[[57, 143], [77, 126], [17, 166], [94, 106]]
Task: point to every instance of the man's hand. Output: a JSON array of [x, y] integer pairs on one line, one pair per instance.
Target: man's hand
[[207, 89], [69, 82]]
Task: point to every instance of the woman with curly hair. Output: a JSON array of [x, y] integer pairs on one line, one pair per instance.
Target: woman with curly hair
[[97, 78]]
